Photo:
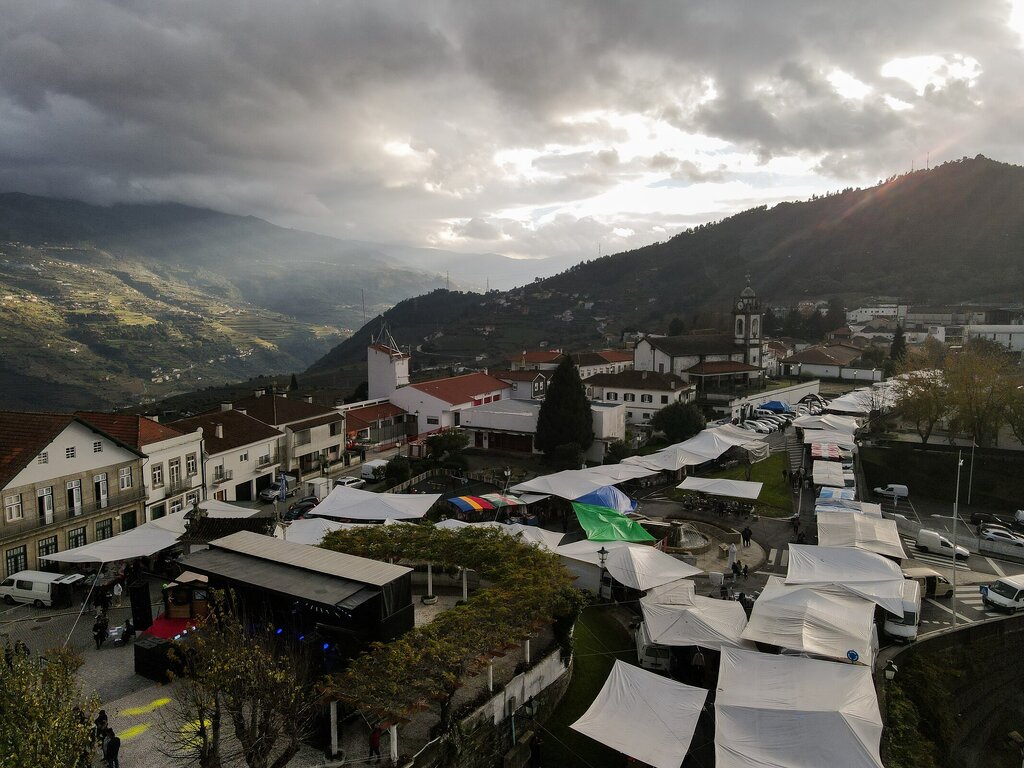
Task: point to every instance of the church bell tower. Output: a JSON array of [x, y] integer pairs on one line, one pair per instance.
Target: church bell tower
[[747, 325]]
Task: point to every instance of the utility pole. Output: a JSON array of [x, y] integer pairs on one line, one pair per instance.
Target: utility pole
[[956, 515]]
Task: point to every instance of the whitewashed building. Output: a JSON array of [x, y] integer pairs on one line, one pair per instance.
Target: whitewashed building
[[440, 403], [642, 393]]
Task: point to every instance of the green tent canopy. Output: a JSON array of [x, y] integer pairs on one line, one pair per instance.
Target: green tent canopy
[[605, 524]]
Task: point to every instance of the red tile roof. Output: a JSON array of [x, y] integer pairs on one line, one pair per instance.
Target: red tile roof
[[537, 356], [239, 429], [617, 355], [836, 354], [519, 375], [716, 367], [461, 389], [279, 409], [130, 429], [23, 436], [364, 418]]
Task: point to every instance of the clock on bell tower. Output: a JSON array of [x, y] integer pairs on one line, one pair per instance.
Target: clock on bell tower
[[747, 325]]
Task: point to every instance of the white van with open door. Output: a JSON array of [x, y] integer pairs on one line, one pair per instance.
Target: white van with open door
[[651, 655], [903, 629], [933, 583], [38, 587]]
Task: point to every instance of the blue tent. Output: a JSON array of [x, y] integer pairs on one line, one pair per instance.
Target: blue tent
[[608, 496], [777, 406]]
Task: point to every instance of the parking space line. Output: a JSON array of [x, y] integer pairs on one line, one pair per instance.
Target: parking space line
[[995, 567], [950, 611]]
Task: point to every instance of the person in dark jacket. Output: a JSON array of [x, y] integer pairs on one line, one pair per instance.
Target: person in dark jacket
[[111, 748]]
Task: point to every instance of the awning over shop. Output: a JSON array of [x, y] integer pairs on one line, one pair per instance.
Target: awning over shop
[[737, 489], [604, 524], [568, 484], [500, 500], [776, 406], [619, 473], [837, 493], [774, 711], [148, 538], [356, 504], [828, 422], [823, 621], [644, 715]]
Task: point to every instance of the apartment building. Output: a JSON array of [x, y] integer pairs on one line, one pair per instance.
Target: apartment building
[[64, 483]]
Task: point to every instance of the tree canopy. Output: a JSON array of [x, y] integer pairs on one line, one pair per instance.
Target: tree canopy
[[45, 718], [529, 587], [679, 421], [565, 415]]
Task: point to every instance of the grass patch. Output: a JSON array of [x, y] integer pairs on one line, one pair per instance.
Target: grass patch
[[599, 640]]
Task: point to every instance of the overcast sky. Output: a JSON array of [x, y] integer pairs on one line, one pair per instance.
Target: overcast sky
[[532, 129]]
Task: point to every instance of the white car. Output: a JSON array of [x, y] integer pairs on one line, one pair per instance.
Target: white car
[[996, 534], [756, 426], [349, 482], [768, 426]]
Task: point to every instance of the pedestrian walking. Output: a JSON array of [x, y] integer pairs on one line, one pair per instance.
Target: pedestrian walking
[[111, 748], [746, 571], [128, 632], [99, 630], [735, 570], [118, 591], [698, 664], [747, 534], [102, 601], [374, 745]]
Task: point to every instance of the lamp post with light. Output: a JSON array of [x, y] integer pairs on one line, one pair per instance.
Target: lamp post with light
[[602, 555], [889, 672]]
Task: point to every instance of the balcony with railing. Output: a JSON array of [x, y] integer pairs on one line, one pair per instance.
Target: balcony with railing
[[222, 476], [268, 459], [114, 503]]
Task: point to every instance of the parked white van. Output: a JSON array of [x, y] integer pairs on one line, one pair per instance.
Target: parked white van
[[903, 629], [893, 491], [38, 587], [1005, 594], [373, 470], [933, 541], [651, 655]]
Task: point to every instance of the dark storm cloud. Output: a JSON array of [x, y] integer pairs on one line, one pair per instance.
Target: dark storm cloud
[[386, 120]]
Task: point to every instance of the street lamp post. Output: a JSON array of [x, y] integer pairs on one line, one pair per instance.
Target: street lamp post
[[970, 477], [956, 514], [889, 672], [602, 555]]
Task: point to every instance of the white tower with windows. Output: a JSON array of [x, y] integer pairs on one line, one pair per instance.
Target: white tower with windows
[[747, 325]]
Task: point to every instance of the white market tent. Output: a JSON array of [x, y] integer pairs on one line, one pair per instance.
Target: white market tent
[[674, 593], [842, 439], [859, 402], [618, 473], [828, 422], [637, 566], [849, 529], [313, 529], [837, 494], [644, 715], [712, 443], [671, 459], [356, 504], [823, 621], [568, 484], [738, 489], [782, 711], [148, 538], [866, 574], [705, 621], [828, 473], [844, 505]]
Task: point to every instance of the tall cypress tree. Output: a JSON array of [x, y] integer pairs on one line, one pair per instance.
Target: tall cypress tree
[[565, 415]]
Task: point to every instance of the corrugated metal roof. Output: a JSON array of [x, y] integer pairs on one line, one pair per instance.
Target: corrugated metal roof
[[309, 558]]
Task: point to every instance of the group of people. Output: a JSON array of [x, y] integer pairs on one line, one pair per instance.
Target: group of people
[[101, 630], [110, 744]]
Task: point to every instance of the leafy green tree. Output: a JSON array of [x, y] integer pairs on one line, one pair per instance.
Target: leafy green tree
[[922, 397], [617, 451], [679, 421], [45, 718], [836, 316], [398, 470], [241, 673], [294, 384], [898, 348], [567, 456], [565, 415], [979, 389], [676, 327], [447, 443]]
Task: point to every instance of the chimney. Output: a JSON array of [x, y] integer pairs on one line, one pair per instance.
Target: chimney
[[308, 399], [257, 393], [218, 431], [153, 417], [243, 411], [225, 406]]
